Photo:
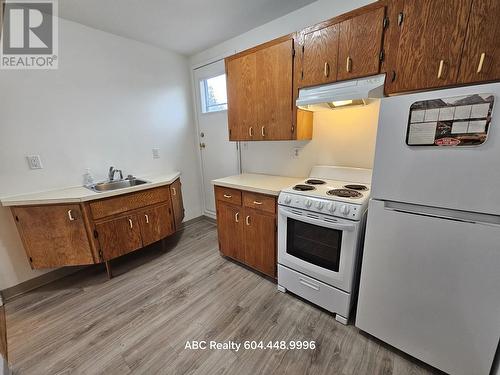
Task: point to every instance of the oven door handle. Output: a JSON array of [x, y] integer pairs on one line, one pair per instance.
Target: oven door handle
[[310, 220]]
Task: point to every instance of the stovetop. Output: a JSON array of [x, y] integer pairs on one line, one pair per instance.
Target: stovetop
[[341, 198]]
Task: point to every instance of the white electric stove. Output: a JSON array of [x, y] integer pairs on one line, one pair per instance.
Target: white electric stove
[[320, 232]]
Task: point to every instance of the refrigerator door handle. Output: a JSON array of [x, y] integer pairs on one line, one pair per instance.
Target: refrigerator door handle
[[443, 213]]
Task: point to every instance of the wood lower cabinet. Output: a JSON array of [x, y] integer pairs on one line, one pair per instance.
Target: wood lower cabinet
[[481, 54], [54, 236], [118, 236], [230, 230], [177, 203], [3, 332], [100, 230], [156, 223], [260, 241], [247, 228]]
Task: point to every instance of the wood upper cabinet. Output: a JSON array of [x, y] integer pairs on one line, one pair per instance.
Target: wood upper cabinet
[[320, 56], [156, 223], [241, 96], [431, 39], [177, 203], [119, 236], [260, 241], [360, 45], [230, 230], [481, 52], [261, 95], [274, 92], [54, 235]]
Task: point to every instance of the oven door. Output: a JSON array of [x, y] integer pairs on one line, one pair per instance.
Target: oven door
[[319, 246]]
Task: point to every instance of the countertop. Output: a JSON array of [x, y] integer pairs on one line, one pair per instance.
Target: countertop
[[258, 183], [78, 194]]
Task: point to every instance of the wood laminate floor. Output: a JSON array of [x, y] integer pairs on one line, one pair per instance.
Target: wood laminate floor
[[139, 322]]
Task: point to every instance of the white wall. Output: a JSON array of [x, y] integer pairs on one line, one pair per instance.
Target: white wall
[[344, 137], [110, 102], [311, 14]]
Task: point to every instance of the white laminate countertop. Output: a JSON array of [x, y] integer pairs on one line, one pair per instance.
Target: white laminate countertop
[[258, 183], [78, 194]]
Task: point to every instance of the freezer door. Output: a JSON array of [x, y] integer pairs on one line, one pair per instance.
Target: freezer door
[[465, 178], [431, 287]]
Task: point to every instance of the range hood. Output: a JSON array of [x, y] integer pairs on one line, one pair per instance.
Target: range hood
[[341, 94]]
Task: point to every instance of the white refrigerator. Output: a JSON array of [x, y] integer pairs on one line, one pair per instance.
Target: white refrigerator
[[430, 276]]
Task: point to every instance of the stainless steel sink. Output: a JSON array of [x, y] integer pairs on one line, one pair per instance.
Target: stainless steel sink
[[114, 185]]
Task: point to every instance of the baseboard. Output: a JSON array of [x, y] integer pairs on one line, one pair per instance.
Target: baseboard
[[39, 281]]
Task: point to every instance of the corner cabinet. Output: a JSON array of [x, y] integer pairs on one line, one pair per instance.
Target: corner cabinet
[[246, 226], [261, 100], [100, 230]]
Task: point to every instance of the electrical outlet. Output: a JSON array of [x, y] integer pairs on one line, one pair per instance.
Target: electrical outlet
[[296, 152], [156, 153], [34, 161]]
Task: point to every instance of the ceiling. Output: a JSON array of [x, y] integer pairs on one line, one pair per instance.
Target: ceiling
[[183, 26]]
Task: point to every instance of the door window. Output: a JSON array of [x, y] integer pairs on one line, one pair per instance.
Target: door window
[[314, 244], [213, 94]]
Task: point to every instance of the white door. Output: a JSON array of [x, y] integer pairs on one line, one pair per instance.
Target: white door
[[219, 157]]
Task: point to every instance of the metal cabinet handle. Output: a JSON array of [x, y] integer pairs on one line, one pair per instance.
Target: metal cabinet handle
[[228, 196], [348, 64], [147, 219], [70, 215], [250, 131], [263, 131], [257, 203], [236, 217], [440, 70], [326, 69], [174, 192], [131, 223], [481, 62], [247, 220]]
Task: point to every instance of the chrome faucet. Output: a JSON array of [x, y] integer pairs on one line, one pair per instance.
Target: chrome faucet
[[111, 174]]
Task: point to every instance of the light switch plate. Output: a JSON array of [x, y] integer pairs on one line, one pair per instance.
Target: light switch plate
[[34, 161], [156, 153]]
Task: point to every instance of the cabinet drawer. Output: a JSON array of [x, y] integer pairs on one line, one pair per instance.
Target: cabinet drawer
[[228, 195], [259, 202], [124, 203]]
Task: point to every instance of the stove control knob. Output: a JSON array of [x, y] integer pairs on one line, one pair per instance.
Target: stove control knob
[[320, 205], [344, 209], [308, 203], [331, 207], [288, 199]]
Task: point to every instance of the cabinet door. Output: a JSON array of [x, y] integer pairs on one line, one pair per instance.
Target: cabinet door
[[320, 56], [360, 44], [119, 236], [3, 333], [53, 236], [230, 230], [274, 92], [481, 54], [177, 203], [430, 44], [241, 99], [260, 241], [156, 224]]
